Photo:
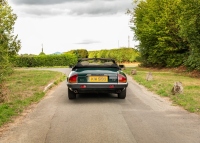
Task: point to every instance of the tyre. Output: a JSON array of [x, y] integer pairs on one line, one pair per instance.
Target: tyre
[[122, 95], [71, 94]]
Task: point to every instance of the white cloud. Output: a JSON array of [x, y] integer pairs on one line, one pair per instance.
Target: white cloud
[[92, 8], [62, 27]]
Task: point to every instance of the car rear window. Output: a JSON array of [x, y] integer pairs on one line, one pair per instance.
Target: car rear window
[[96, 63]]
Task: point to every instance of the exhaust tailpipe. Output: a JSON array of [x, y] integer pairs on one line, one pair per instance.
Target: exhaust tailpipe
[[75, 91]]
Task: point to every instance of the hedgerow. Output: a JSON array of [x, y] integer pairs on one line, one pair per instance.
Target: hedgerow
[[80, 53], [120, 55], [44, 60]]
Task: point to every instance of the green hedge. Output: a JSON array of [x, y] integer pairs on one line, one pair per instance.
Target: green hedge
[[120, 55], [80, 53], [44, 60]]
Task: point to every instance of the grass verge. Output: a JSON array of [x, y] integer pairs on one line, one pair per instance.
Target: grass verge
[[162, 83], [25, 87]]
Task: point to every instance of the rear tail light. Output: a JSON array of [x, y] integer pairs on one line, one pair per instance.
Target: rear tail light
[[73, 79], [122, 78]]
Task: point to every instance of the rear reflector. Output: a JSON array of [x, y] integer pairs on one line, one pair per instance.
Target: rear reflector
[[111, 86], [122, 78], [73, 79], [83, 86]]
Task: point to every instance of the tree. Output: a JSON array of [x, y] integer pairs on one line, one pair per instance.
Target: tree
[[8, 40], [3, 2], [190, 30], [156, 27]]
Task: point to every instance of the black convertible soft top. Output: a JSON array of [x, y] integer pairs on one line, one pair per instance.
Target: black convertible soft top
[[96, 62]]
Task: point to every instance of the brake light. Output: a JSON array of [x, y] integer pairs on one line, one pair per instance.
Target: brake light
[[73, 79], [122, 78]]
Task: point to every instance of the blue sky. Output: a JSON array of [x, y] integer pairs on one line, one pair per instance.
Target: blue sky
[[63, 25]]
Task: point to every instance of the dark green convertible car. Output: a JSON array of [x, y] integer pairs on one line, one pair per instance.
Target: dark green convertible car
[[96, 75]]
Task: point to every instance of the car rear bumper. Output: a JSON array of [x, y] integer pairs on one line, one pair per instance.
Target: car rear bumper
[[97, 87]]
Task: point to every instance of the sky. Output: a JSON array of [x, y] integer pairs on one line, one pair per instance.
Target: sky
[[64, 25]]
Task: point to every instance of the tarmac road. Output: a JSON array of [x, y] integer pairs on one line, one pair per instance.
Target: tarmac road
[[96, 118]]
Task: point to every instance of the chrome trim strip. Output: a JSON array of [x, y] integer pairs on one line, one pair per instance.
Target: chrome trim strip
[[97, 83]]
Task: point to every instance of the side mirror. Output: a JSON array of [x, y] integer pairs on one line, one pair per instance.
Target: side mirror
[[122, 67]]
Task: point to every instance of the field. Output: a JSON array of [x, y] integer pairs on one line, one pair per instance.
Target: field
[[163, 82], [23, 88]]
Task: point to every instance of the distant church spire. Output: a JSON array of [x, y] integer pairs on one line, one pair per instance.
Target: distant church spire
[[42, 52], [42, 49]]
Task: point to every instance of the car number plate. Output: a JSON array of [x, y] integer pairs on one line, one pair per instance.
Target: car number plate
[[98, 79]]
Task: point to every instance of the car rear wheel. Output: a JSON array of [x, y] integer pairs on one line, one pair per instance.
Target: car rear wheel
[[71, 94], [122, 95]]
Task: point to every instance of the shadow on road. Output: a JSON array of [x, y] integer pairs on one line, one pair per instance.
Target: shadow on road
[[96, 98]]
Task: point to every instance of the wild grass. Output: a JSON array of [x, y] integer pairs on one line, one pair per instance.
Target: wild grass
[[163, 81], [25, 87]]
